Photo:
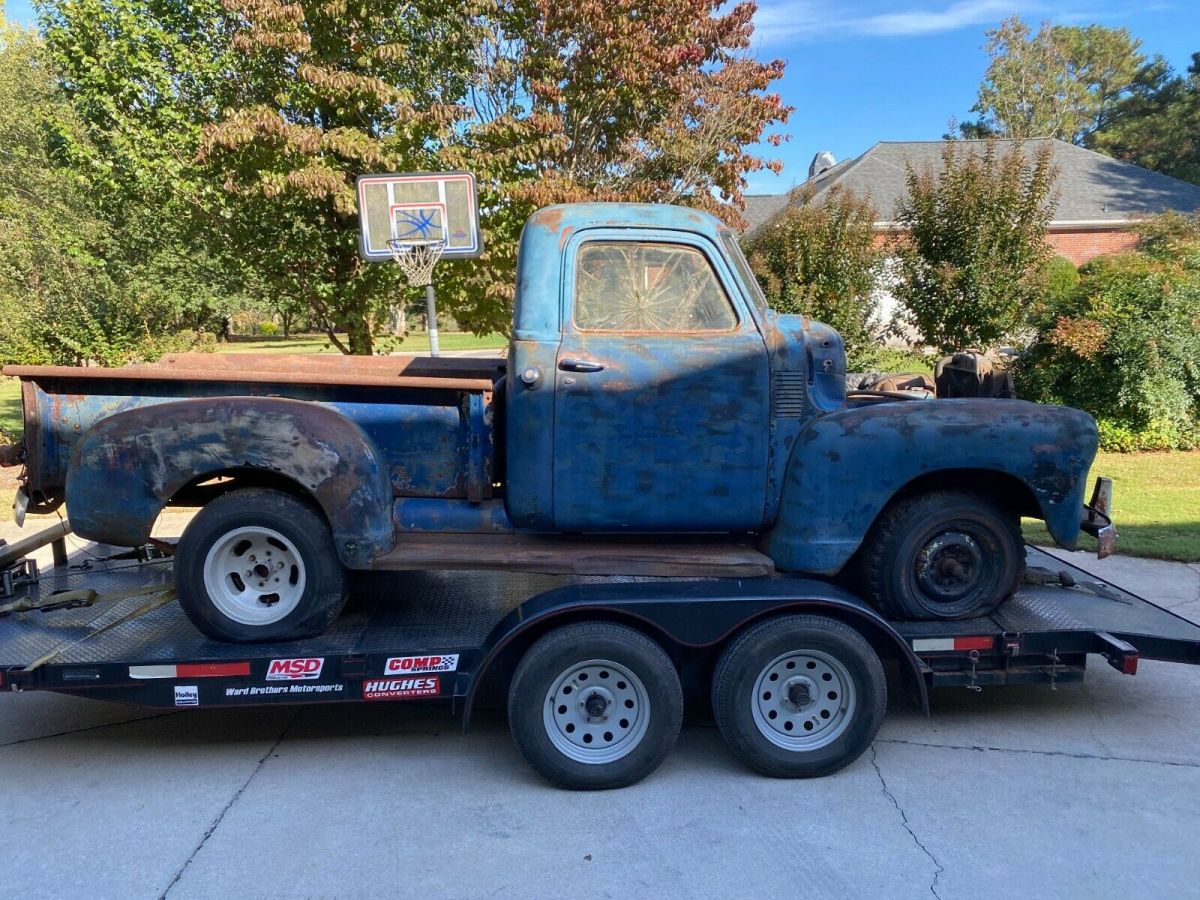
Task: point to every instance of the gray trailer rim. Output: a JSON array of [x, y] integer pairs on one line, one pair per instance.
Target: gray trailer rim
[[596, 712], [254, 575], [803, 700]]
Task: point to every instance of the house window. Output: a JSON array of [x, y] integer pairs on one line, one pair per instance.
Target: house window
[[643, 287]]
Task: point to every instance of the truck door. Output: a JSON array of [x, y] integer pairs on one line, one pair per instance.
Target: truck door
[[662, 403]]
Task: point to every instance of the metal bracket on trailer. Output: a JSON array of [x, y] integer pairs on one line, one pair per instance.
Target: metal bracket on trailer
[[1121, 655]]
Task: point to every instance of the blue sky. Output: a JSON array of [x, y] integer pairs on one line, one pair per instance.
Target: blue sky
[[861, 71]]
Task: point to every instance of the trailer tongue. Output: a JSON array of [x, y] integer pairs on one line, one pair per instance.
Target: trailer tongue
[[461, 636]]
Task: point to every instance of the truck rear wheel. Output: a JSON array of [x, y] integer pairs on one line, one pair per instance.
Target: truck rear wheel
[[259, 565], [942, 555], [799, 696], [595, 705]]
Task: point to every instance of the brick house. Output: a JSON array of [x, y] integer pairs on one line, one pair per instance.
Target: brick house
[[1098, 195]]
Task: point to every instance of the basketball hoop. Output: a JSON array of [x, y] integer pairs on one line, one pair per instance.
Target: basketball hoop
[[417, 259], [414, 220]]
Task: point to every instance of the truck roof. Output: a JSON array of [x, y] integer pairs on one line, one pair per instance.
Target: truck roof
[[565, 217]]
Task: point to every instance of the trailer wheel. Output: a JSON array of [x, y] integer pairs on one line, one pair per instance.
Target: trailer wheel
[[943, 555], [259, 565], [595, 705], [799, 696]]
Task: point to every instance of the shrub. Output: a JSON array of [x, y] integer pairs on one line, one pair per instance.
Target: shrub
[[1125, 346], [970, 261], [268, 329], [819, 259]]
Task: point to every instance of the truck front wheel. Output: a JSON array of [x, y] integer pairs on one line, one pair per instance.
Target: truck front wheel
[[259, 565], [942, 555]]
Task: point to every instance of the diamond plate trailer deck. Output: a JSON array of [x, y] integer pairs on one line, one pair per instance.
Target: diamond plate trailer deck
[[455, 635]]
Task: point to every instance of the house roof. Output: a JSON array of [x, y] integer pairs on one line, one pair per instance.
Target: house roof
[[1092, 188]]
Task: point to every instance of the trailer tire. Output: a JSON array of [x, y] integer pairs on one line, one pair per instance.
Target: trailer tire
[[799, 696], [595, 705], [942, 555], [259, 565]]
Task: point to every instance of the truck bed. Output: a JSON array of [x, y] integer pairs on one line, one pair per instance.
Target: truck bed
[[458, 373]]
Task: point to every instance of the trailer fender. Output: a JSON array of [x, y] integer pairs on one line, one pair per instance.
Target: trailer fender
[[127, 467], [847, 466], [670, 613]]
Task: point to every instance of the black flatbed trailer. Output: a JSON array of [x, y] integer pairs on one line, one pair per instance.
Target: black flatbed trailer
[[456, 635]]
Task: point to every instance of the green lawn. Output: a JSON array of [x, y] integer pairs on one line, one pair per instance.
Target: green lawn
[[315, 343], [1156, 505], [10, 408]]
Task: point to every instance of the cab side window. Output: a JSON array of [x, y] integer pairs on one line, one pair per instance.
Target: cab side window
[[642, 287]]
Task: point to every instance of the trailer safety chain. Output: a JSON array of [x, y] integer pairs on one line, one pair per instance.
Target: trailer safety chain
[[971, 685], [1055, 660]]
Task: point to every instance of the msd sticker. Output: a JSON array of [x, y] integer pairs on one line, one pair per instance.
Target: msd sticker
[[187, 695], [401, 688], [415, 665], [295, 669]]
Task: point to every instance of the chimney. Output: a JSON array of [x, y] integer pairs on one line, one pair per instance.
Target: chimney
[[822, 162]]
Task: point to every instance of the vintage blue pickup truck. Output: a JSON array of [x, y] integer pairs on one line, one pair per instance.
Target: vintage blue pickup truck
[[653, 417]]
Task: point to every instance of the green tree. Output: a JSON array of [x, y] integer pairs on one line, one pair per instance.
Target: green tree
[[1063, 81], [1158, 129], [58, 300], [142, 77], [819, 258], [970, 261]]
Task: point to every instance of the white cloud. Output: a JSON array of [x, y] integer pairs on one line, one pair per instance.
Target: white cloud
[[787, 20]]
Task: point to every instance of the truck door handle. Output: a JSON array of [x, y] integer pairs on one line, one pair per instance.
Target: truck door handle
[[579, 365]]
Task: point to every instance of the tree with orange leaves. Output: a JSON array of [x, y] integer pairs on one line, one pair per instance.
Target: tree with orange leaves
[[651, 100]]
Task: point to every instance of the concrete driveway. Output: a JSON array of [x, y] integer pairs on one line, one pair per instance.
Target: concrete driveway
[[1092, 790]]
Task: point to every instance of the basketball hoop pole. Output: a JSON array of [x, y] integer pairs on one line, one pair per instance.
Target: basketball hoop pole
[[431, 321]]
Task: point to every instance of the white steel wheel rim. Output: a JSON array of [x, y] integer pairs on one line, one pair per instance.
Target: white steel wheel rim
[[803, 700], [254, 575], [596, 712]]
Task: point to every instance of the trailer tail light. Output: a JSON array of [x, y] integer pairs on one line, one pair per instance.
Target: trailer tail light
[[946, 645]]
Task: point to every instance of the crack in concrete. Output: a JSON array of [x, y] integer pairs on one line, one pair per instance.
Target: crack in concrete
[[982, 748], [907, 827], [216, 823], [71, 731]]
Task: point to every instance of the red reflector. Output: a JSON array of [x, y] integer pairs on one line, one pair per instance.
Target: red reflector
[[984, 642], [1129, 664], [211, 670]]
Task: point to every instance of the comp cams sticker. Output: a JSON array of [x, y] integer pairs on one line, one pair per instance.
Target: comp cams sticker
[[401, 688], [417, 665]]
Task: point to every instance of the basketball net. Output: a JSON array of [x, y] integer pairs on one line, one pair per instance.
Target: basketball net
[[417, 259]]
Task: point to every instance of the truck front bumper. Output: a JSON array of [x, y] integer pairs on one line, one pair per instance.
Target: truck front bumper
[[1097, 518]]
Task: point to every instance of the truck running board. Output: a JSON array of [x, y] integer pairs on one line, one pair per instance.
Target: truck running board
[[574, 555]]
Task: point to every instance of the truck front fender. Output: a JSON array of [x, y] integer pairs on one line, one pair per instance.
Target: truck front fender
[[127, 467], [846, 466]]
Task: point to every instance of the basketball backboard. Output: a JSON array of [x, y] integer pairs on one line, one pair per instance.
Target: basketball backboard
[[417, 208]]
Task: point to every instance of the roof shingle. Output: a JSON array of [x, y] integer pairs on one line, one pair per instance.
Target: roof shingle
[[1092, 187]]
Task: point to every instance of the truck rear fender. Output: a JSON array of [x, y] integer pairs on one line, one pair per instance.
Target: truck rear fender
[[127, 467], [666, 613], [846, 467]]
